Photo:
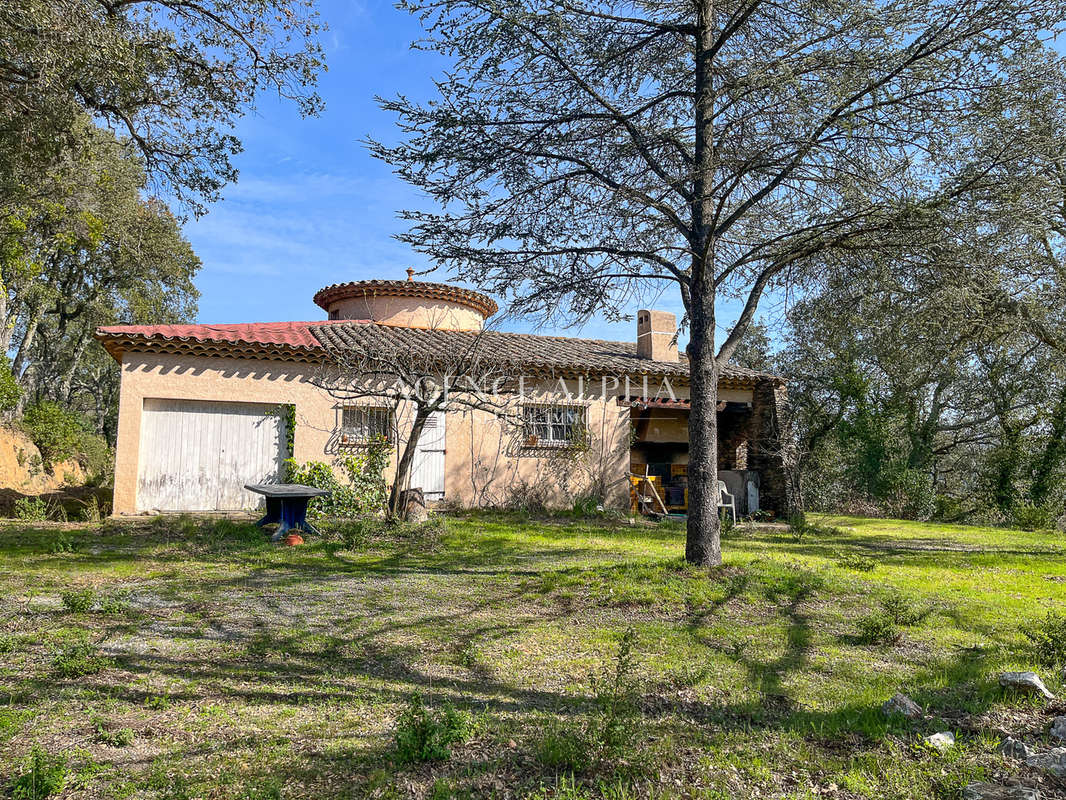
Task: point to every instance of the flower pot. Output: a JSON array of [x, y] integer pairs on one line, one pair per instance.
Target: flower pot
[[293, 539]]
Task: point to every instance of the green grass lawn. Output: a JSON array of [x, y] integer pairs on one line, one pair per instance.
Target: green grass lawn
[[183, 658]]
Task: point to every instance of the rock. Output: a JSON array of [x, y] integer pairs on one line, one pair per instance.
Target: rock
[[413, 506], [990, 791], [1058, 728], [903, 705], [1012, 748], [942, 741], [1025, 682], [1053, 762]]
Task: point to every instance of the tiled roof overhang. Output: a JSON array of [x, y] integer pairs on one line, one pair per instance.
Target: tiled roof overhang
[[554, 356], [481, 303], [533, 355], [678, 404], [277, 341]]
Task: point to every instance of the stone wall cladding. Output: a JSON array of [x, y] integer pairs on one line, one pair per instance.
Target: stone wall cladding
[[734, 431], [771, 450]]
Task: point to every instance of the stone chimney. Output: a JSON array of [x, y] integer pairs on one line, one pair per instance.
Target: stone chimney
[[655, 335]]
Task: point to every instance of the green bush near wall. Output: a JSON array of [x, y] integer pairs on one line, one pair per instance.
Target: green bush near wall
[[62, 434], [364, 491]]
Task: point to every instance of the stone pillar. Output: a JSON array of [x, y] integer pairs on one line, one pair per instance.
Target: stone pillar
[[772, 448]]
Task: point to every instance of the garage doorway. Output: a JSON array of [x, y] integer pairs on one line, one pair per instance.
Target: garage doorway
[[198, 455]]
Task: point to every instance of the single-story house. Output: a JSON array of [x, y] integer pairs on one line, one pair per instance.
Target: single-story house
[[205, 409]]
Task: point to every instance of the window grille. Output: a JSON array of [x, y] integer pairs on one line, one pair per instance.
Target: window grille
[[554, 425], [361, 424]]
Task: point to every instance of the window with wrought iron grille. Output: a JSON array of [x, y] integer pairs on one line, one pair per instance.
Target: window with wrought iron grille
[[554, 425], [361, 424]]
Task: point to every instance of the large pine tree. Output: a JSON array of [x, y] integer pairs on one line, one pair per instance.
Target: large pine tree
[[584, 151]]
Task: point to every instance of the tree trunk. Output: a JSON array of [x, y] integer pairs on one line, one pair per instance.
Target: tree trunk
[[407, 457], [68, 373], [1007, 462], [22, 357], [1051, 459], [703, 544], [7, 326]]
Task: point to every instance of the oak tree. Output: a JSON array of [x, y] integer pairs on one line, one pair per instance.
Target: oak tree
[[173, 76]]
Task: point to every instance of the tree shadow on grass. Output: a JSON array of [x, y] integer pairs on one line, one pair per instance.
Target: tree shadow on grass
[[827, 546], [379, 665]]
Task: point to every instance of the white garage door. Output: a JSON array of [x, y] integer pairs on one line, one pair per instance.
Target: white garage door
[[197, 455]]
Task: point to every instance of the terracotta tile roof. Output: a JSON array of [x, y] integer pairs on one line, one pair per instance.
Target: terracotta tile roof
[[286, 340], [558, 354], [303, 341], [434, 291]]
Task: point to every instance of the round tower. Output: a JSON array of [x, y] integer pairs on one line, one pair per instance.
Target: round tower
[[409, 303]]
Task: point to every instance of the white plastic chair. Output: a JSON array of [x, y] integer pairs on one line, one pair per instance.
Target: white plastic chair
[[726, 500]]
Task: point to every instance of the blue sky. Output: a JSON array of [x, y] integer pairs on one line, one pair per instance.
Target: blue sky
[[312, 207]]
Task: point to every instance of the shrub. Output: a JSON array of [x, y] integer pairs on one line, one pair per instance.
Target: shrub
[[609, 735], [78, 659], [615, 727], [425, 736], [78, 601], [57, 431], [948, 509], [357, 533], [116, 602], [1048, 639], [588, 506], [726, 522], [123, 737], [902, 610], [878, 629], [363, 493], [857, 562], [30, 509], [62, 543], [42, 775], [1028, 517], [909, 494], [798, 525], [563, 747], [95, 456]]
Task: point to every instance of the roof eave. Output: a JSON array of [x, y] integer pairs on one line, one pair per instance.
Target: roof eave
[[119, 345]]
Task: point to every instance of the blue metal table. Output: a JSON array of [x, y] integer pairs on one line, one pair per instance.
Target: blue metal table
[[286, 504]]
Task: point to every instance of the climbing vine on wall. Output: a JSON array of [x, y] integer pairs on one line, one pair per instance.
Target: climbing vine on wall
[[287, 413]]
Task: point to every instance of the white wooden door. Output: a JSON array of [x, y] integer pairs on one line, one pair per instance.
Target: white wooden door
[[197, 455], [427, 470]]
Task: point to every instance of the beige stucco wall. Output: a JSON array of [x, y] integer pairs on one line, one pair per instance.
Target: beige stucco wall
[[484, 463], [410, 312], [488, 465]]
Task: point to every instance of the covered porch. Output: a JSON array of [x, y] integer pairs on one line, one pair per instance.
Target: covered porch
[[749, 460]]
